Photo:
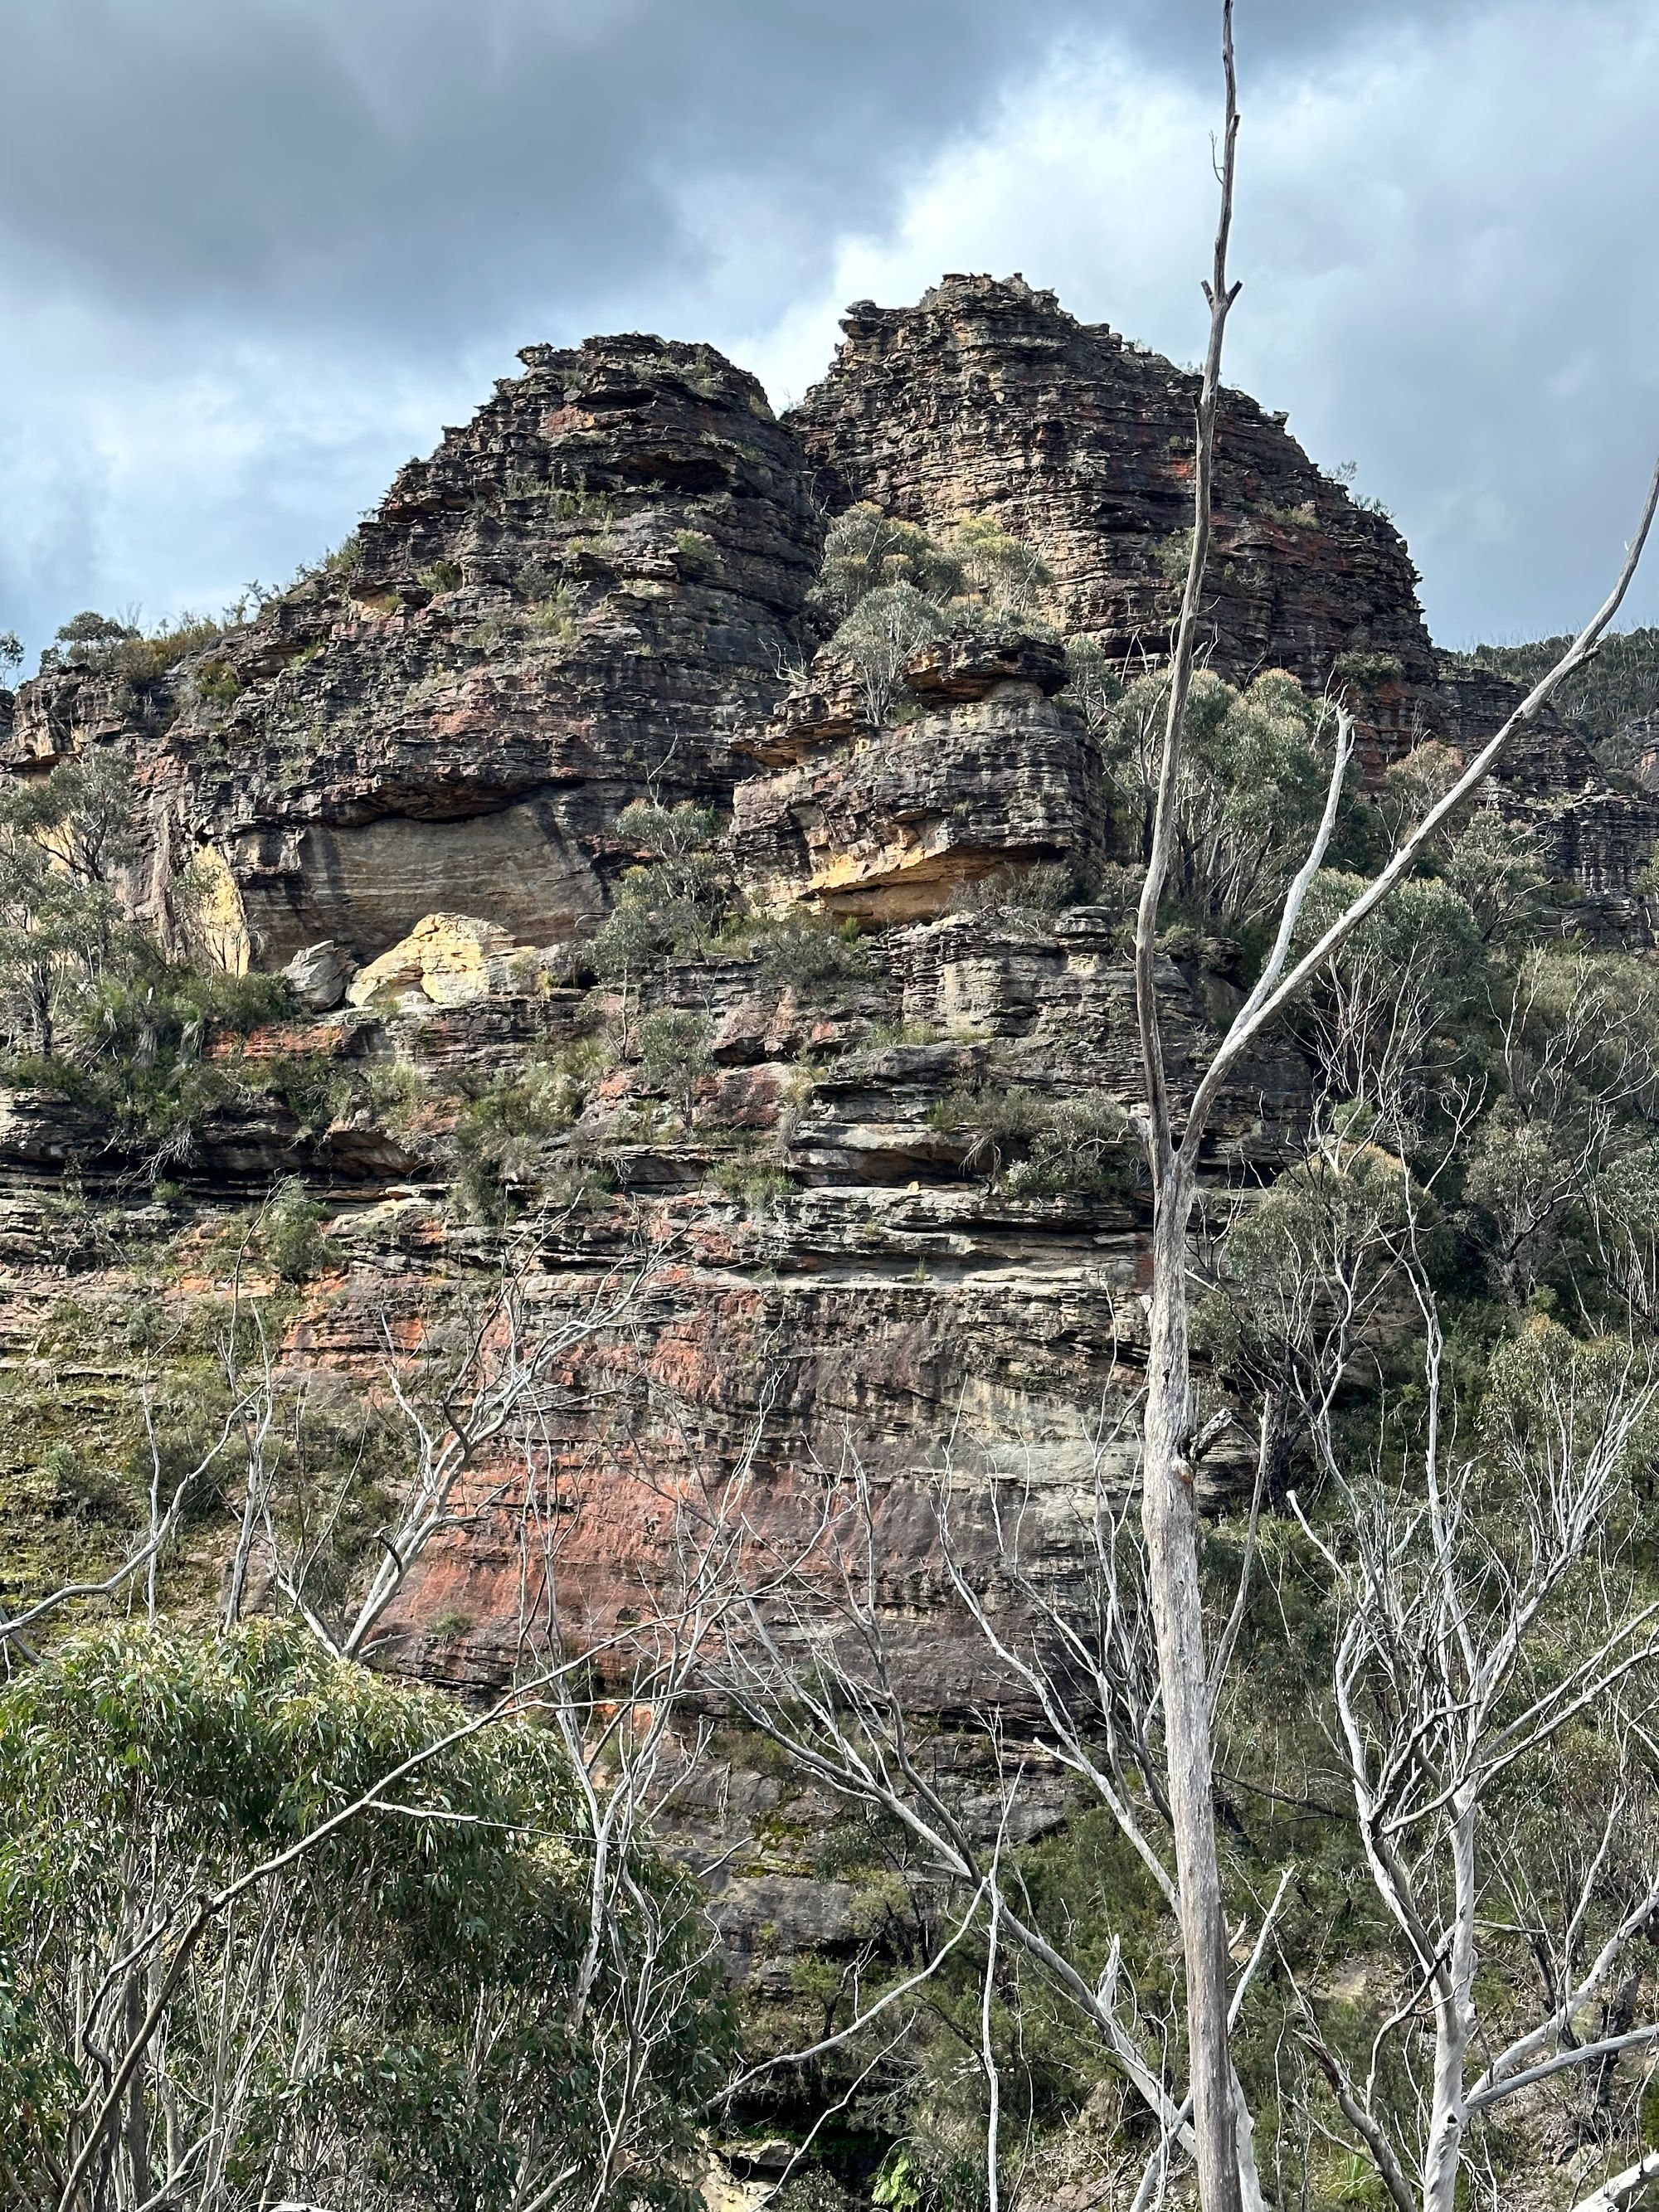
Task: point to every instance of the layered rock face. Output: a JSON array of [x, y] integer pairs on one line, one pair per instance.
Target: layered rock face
[[595, 588], [403, 783], [988, 399], [884, 826], [584, 594], [872, 1195], [884, 1302]]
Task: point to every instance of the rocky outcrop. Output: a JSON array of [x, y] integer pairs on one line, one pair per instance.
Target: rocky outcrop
[[880, 1293], [982, 773], [987, 398], [447, 960], [592, 589], [871, 1195], [402, 784], [581, 596]]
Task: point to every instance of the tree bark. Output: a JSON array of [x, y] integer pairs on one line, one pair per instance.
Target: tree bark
[[1454, 2023], [1169, 1518]]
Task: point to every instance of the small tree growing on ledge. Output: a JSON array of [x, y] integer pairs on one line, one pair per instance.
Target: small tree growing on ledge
[[893, 588], [1172, 1444], [885, 628]]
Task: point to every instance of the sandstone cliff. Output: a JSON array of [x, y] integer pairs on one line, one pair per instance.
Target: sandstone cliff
[[412, 769], [598, 587]]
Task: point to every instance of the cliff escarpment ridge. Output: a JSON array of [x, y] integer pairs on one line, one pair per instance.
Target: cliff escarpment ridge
[[581, 1360], [851, 1092]]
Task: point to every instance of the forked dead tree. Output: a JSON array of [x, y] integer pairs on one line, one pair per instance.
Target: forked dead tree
[[1174, 1141], [809, 1660], [1484, 1614]]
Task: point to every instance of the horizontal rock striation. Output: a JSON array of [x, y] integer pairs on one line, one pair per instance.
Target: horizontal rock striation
[[987, 398], [984, 772], [578, 597], [880, 1200]]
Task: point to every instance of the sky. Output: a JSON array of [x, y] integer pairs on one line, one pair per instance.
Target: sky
[[255, 253]]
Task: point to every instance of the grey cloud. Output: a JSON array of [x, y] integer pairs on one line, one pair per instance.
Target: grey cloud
[[401, 161], [1275, 33], [253, 253], [396, 162], [398, 193]]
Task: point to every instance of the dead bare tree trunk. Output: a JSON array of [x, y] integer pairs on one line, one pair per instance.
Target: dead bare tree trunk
[[1170, 1507], [1170, 1519]]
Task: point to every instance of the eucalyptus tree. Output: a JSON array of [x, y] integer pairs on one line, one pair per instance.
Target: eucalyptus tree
[[1174, 1130], [272, 1928]]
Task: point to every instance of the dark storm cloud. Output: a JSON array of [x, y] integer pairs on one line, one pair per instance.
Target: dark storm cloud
[[253, 253], [412, 160], [251, 245]]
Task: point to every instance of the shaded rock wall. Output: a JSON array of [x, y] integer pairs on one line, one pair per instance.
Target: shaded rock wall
[[595, 588], [599, 589], [581, 596], [987, 398], [984, 773]]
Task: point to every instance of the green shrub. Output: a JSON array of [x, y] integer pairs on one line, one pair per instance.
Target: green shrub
[[1007, 576], [1035, 893], [144, 1769], [218, 683], [290, 1237], [1369, 668], [886, 627], [674, 1051], [1173, 555], [137, 1055], [1255, 777], [90, 1001], [346, 559], [865, 550], [880, 1036], [1304, 515], [440, 576], [806, 953], [894, 587], [672, 903], [759, 1186], [503, 1132], [1032, 1144], [397, 1093], [577, 503], [312, 1085], [556, 614], [107, 647], [237, 1004]]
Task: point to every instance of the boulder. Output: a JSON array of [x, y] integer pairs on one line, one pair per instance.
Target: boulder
[[446, 960], [317, 976]]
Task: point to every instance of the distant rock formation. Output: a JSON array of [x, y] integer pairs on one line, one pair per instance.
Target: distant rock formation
[[598, 587], [402, 784]]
